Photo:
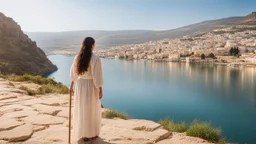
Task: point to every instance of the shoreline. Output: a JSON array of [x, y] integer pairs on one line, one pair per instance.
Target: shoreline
[[229, 64], [205, 62]]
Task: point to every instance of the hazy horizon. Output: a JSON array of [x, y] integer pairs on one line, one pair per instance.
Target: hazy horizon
[[157, 15], [122, 29]]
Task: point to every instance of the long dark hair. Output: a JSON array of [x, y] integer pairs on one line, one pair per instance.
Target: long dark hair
[[84, 55]]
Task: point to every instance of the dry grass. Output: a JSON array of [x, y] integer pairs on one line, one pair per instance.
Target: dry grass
[[199, 129], [47, 85], [112, 114]]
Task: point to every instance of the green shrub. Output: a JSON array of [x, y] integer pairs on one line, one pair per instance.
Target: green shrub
[[169, 125], [51, 88], [29, 91], [47, 85], [222, 141], [202, 56], [46, 89], [199, 129], [205, 131], [112, 114], [29, 78], [180, 127]]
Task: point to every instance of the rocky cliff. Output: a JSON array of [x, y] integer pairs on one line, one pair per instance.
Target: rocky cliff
[[18, 53]]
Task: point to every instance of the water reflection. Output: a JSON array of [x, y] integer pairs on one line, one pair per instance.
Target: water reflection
[[153, 90]]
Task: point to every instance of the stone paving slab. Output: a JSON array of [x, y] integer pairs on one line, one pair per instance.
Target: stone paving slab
[[44, 120], [133, 124], [45, 109], [20, 133], [19, 114], [8, 123]]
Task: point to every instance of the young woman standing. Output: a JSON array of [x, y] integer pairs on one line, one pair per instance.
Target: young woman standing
[[86, 73]]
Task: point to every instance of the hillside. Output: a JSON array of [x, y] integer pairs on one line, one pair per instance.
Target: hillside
[[53, 42], [249, 19], [18, 53]]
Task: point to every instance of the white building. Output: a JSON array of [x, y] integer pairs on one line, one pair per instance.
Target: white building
[[230, 43], [174, 57]]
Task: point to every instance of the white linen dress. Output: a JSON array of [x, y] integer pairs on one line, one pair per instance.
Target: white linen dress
[[87, 105]]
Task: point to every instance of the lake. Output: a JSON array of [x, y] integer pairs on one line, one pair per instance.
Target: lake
[[226, 96]]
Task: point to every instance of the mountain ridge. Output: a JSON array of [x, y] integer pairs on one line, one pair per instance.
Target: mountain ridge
[[70, 41]]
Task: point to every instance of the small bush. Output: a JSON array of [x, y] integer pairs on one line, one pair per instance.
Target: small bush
[[112, 114], [202, 130], [169, 125], [29, 91], [222, 141], [45, 89], [205, 131], [202, 56], [50, 88], [211, 55], [47, 85], [29, 78], [180, 127]]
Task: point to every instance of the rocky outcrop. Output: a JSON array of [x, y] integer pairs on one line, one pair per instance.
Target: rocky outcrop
[[44, 120], [18, 53]]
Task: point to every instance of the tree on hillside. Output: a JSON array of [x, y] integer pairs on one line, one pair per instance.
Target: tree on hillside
[[202, 56], [236, 51], [211, 55], [231, 51]]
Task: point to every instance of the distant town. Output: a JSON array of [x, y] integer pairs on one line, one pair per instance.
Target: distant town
[[219, 46]]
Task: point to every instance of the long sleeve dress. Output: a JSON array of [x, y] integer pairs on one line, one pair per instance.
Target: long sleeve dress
[[87, 105]]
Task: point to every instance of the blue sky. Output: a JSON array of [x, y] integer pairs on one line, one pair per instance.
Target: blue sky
[[68, 15]]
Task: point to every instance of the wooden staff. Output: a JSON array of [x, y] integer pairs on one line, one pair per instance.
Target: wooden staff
[[69, 126]]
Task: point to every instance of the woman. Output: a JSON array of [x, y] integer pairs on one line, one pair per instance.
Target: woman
[[86, 72]]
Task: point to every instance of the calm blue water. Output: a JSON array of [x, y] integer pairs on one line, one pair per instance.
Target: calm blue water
[[153, 90]]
